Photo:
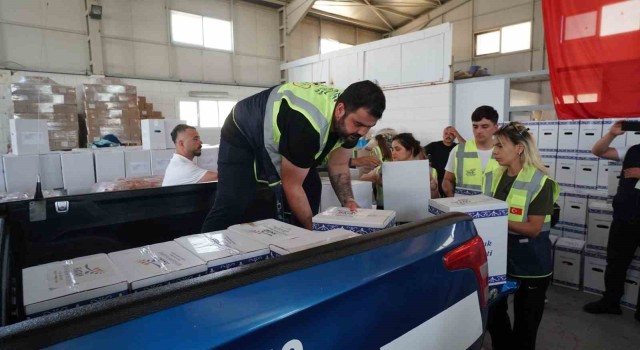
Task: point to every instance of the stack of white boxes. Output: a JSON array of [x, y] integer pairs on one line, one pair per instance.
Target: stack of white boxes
[[362, 221]]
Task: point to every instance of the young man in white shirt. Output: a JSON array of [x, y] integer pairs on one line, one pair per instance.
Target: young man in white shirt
[[181, 169]]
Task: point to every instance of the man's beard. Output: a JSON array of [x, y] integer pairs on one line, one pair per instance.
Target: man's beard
[[347, 139], [197, 153]]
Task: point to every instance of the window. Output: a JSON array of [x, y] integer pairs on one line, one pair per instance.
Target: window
[[507, 39], [328, 45], [205, 113], [201, 31]]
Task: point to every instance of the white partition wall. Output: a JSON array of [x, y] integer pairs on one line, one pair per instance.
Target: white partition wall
[[470, 95]]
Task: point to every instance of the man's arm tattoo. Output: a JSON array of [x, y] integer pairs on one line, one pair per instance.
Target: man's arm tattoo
[[341, 183]]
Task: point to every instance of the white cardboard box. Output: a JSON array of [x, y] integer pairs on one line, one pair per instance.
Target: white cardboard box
[[407, 189], [137, 163], [549, 161], [590, 132], [362, 193], [533, 128], [568, 135], [363, 221], [3, 186], [603, 174], [600, 218], [593, 276], [619, 141], [78, 174], [548, 136], [160, 159], [109, 165], [490, 218], [567, 263], [208, 160], [615, 171], [169, 125], [556, 231], [575, 214], [157, 264], [310, 241], [560, 202], [633, 138], [566, 169], [224, 249], [67, 284], [586, 172], [153, 134], [269, 231], [630, 296], [51, 171], [29, 136], [21, 172]]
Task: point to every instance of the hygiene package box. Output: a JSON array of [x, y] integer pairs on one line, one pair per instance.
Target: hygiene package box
[[51, 171], [603, 175], [566, 169], [317, 239], [160, 159], [549, 161], [593, 274], [109, 165], [153, 134], [615, 172], [361, 221], [568, 134], [567, 263], [224, 249], [586, 172], [137, 162], [600, 218], [362, 193], [21, 172], [78, 173], [533, 127], [29, 136], [269, 231], [548, 136], [407, 189], [208, 158], [575, 214], [157, 264], [590, 132], [63, 285], [490, 219]]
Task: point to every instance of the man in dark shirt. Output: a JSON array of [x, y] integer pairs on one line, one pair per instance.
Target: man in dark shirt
[[438, 152], [277, 138]]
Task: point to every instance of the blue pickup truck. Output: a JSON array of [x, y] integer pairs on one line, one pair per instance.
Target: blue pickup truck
[[421, 285]]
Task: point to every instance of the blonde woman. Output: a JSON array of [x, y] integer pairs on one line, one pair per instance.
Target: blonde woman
[[522, 182], [403, 147]]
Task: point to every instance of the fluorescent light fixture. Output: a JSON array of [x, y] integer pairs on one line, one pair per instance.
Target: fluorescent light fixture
[[208, 94]]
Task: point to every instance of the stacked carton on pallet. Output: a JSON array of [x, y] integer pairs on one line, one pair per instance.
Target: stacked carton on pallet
[[146, 109], [42, 98]]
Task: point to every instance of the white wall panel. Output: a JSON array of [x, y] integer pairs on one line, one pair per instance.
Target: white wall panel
[[378, 67], [268, 71], [118, 56], [463, 40], [217, 66], [116, 18], [267, 24], [149, 20], [151, 60], [321, 71], [65, 14], [471, 95], [189, 63], [345, 70], [23, 45], [65, 51], [246, 69], [27, 11], [301, 73], [245, 29], [422, 61]]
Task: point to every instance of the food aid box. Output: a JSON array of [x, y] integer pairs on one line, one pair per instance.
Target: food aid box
[[109, 165], [169, 125], [600, 218], [362, 221], [137, 162], [590, 133], [595, 264], [549, 161], [78, 173], [51, 171], [533, 128], [208, 158], [615, 172], [63, 285], [490, 218], [586, 172], [603, 175], [20, 172], [157, 264], [29, 136], [160, 159], [617, 142], [153, 134], [3, 186], [560, 202], [631, 283], [362, 193], [407, 189], [318, 238], [566, 169], [548, 136], [568, 135], [575, 214], [633, 137], [567, 263], [222, 250], [269, 231]]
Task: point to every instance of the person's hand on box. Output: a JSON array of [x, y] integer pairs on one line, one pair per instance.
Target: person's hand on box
[[632, 173]]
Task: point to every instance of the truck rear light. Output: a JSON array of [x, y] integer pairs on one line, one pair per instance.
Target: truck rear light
[[471, 255]]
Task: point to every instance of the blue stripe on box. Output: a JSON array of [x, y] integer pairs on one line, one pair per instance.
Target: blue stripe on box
[[588, 187], [483, 214], [595, 255], [74, 305], [593, 290], [467, 192], [577, 195], [497, 279], [435, 211], [595, 247], [568, 284], [568, 122], [231, 265], [600, 211], [356, 229], [547, 123], [547, 150], [569, 250], [629, 305], [169, 282]]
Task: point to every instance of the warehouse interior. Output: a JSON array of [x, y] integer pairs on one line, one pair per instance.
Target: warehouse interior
[[91, 90]]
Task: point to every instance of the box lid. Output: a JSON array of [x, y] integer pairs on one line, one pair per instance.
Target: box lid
[[317, 238], [476, 204], [269, 231], [570, 243], [221, 244], [61, 278], [595, 206], [154, 260], [361, 217]]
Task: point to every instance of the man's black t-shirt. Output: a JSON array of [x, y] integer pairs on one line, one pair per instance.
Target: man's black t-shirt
[[438, 154]]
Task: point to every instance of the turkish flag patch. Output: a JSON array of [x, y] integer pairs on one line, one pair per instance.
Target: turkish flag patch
[[515, 211]]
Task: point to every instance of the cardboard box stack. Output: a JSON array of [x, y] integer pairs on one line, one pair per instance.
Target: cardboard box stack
[[146, 109], [44, 99], [112, 108]]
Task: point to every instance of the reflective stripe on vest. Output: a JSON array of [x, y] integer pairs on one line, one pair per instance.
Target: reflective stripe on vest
[[316, 102], [466, 160]]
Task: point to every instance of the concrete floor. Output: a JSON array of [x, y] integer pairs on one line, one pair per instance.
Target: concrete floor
[[565, 326]]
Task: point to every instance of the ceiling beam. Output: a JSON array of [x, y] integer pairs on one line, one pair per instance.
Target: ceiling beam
[[379, 7], [377, 13], [428, 16], [356, 22], [394, 12], [295, 11]]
